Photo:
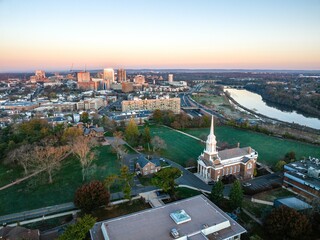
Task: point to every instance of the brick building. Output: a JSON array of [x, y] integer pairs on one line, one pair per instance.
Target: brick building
[[213, 164], [172, 104]]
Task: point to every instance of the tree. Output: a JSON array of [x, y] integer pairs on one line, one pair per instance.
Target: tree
[[287, 223], [280, 165], [165, 179], [71, 134], [157, 116], [91, 196], [147, 136], [118, 146], [22, 156], [48, 158], [82, 149], [110, 180], [126, 178], [289, 157], [217, 192], [158, 143], [132, 132], [80, 229], [236, 195], [84, 117]]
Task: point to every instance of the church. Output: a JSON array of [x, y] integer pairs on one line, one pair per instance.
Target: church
[[213, 164]]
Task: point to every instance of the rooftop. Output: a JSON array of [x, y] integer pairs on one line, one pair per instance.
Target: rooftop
[[292, 202], [235, 152], [205, 219]]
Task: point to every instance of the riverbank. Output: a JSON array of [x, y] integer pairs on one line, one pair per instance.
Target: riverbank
[[279, 128]]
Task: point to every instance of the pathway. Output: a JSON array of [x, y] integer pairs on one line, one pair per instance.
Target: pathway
[[184, 133]]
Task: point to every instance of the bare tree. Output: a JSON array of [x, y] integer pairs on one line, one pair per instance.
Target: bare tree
[[158, 143], [118, 146], [22, 156], [82, 149], [48, 158]]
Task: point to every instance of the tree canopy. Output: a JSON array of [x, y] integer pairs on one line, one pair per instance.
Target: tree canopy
[[236, 195], [165, 179], [217, 192]]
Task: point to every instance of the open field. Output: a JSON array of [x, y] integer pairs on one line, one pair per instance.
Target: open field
[[36, 192], [270, 149], [180, 148], [8, 175]]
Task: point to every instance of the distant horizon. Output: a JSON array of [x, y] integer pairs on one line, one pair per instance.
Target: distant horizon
[[168, 69], [170, 34]]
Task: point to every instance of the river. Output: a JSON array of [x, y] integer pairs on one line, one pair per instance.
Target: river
[[254, 102]]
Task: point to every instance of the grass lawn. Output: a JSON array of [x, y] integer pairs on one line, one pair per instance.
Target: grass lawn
[[8, 174], [36, 192], [183, 193], [180, 148], [274, 194], [270, 149], [257, 209]]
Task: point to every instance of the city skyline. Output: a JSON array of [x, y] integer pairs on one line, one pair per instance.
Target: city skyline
[[167, 34]]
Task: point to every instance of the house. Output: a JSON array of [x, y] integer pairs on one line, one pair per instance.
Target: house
[[92, 131], [213, 164], [192, 218], [146, 166], [17, 233]]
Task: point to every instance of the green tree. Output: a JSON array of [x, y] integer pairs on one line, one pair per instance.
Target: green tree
[[80, 229], [110, 180], [91, 196], [217, 192], [147, 136], [126, 178], [132, 133], [280, 165], [236, 195], [165, 179], [290, 157], [84, 117], [287, 223]]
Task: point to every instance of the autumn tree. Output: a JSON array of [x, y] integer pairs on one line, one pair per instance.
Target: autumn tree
[[84, 117], [236, 195], [91, 196], [217, 192], [70, 134], [165, 179], [290, 157], [287, 223], [280, 165], [82, 149], [157, 116], [110, 180], [158, 143], [48, 158], [80, 229], [132, 132]]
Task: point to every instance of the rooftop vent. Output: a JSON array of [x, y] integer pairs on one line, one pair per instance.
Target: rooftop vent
[[174, 233]]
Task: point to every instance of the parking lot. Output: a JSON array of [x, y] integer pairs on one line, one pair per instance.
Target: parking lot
[[263, 182]]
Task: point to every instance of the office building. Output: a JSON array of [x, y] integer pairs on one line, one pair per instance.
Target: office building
[[170, 78], [83, 77], [139, 79], [108, 77], [172, 104], [122, 75]]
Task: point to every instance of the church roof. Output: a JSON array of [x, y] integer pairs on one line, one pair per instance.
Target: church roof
[[233, 153]]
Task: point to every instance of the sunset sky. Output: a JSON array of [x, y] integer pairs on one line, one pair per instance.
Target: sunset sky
[[53, 35]]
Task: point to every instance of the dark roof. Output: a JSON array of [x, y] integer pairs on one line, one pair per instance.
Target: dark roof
[[15, 233], [98, 129], [142, 161], [156, 161]]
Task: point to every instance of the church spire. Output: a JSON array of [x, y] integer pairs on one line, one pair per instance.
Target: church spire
[[211, 140]]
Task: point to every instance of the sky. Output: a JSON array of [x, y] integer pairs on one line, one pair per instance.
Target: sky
[[197, 34]]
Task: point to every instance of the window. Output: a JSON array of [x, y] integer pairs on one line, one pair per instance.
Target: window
[[238, 168], [227, 171], [235, 169], [249, 166]]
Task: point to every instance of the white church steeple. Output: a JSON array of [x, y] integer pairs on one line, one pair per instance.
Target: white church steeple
[[211, 141]]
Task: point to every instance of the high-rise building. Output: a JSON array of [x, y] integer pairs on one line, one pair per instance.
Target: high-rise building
[[83, 77], [122, 75], [40, 74], [170, 78], [108, 77], [139, 79]]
